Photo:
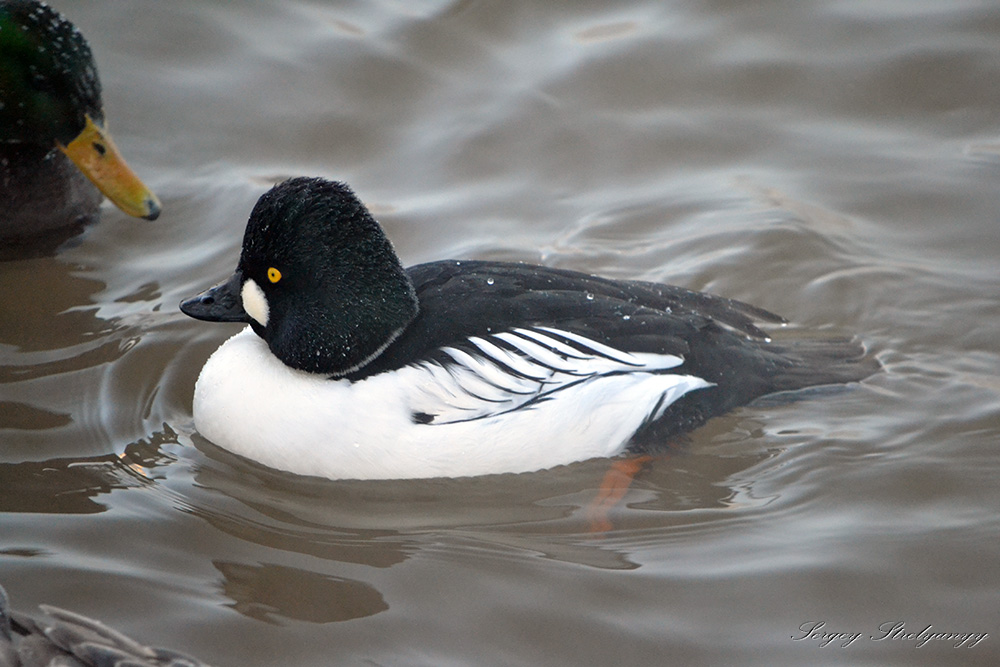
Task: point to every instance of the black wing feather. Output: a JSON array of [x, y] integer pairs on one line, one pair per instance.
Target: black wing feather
[[473, 298]]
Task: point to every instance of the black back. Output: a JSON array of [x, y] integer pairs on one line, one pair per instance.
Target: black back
[[718, 338]]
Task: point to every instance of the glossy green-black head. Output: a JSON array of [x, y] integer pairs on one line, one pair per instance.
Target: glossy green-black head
[[48, 80], [317, 279], [50, 96]]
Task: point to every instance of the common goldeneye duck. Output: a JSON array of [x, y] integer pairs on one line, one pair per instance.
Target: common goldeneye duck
[[354, 367], [52, 131]]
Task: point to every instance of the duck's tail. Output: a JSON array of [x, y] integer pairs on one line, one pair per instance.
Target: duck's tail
[[810, 362], [796, 361]]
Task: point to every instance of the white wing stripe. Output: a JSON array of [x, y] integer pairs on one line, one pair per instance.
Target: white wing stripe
[[557, 345], [496, 373], [516, 362], [599, 348], [487, 372], [541, 354], [443, 389]]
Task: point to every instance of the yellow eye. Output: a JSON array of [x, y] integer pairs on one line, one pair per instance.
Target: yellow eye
[[273, 274]]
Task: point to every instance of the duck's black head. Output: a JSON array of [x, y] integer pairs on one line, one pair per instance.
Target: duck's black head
[[317, 279]]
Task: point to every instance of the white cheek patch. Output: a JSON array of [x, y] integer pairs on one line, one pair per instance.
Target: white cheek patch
[[254, 302]]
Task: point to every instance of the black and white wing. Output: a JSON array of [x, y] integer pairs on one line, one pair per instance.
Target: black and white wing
[[492, 374]]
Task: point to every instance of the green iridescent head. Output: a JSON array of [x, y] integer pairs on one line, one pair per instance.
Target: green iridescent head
[[48, 79]]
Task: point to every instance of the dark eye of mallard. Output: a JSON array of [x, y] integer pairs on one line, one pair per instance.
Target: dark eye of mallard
[[273, 274]]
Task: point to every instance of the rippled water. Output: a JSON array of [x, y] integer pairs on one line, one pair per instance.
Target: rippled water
[[836, 162]]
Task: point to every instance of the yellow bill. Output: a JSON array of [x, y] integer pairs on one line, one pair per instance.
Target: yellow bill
[[96, 155]]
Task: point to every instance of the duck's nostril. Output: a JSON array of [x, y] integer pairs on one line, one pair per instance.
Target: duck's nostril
[[207, 300]]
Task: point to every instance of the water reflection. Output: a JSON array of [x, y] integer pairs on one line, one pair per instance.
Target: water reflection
[[60, 486], [271, 592], [45, 244], [21, 416], [75, 485], [45, 314], [549, 514]]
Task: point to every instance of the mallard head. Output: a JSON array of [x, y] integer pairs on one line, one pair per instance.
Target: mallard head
[[50, 96]]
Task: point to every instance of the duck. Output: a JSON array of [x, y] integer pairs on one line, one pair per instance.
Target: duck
[[62, 637], [55, 146], [354, 367]]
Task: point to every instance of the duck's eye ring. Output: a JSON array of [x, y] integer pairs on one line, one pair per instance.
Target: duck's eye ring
[[273, 274]]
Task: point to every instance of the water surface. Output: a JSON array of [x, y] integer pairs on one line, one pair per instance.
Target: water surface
[[835, 162]]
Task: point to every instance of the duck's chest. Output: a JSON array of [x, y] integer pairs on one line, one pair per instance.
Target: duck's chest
[[250, 403]]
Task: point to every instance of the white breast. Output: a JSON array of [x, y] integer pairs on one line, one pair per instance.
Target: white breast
[[512, 402]]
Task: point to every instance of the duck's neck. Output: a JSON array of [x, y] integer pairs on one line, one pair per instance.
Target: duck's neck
[[41, 191], [350, 325]]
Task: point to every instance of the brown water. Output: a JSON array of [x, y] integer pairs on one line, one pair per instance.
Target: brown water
[[836, 162]]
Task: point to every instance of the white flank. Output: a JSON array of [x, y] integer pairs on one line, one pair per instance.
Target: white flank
[[514, 402]]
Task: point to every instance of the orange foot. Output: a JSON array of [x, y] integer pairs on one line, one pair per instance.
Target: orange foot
[[616, 482]]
